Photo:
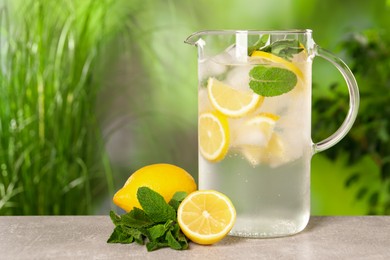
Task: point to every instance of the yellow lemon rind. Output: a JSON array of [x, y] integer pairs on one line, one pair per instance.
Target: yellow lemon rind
[[223, 125], [255, 99], [276, 59]]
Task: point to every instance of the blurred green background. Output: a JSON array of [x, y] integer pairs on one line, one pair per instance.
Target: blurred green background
[[90, 91]]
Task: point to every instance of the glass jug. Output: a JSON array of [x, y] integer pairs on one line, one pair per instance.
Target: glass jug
[[254, 124]]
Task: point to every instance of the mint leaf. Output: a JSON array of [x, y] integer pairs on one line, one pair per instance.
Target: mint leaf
[[271, 81], [126, 235], [259, 44], [156, 231], [155, 206], [177, 198], [284, 48], [182, 240], [120, 236], [137, 234], [136, 218], [172, 242], [178, 235], [115, 218], [154, 245]]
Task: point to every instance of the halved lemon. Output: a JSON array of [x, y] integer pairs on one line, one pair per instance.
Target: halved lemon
[[206, 216], [214, 136], [232, 102], [276, 59]]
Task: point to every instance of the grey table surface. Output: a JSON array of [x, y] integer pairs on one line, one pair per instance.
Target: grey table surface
[[84, 237]]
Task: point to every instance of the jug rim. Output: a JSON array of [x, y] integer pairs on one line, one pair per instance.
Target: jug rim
[[249, 32]]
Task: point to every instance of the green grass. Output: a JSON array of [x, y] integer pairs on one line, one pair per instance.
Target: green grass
[[52, 157]]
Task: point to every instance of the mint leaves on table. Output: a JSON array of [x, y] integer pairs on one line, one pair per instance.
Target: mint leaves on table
[[155, 206], [156, 224], [271, 81]]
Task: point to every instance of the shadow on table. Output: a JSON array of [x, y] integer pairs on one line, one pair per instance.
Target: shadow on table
[[315, 223], [231, 241]]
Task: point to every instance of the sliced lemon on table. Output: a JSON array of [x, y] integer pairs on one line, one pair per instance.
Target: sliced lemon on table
[[206, 216], [214, 136], [230, 101], [276, 59]]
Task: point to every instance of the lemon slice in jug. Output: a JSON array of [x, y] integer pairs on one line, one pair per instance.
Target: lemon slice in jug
[[230, 101], [214, 136], [276, 59]]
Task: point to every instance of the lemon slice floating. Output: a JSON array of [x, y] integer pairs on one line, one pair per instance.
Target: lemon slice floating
[[214, 136], [232, 102], [263, 124], [276, 59], [206, 216], [273, 154]]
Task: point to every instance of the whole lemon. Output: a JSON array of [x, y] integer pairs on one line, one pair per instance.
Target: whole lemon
[[166, 179]]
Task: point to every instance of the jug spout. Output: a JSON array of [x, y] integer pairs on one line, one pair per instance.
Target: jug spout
[[195, 39]]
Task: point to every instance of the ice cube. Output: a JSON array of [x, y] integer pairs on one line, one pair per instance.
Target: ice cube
[[209, 68], [251, 136], [277, 105], [254, 131], [232, 55], [217, 65], [238, 77], [295, 125]]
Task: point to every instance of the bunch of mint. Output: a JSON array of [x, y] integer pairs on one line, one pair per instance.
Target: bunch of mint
[[156, 224]]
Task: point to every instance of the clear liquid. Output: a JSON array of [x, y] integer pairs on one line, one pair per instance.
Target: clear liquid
[[270, 202]]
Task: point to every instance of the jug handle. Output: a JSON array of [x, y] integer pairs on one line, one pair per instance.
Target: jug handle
[[353, 100]]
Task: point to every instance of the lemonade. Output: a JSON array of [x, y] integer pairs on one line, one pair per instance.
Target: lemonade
[[254, 124], [256, 146]]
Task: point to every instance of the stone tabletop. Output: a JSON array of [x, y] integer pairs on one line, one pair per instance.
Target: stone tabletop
[[84, 237]]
